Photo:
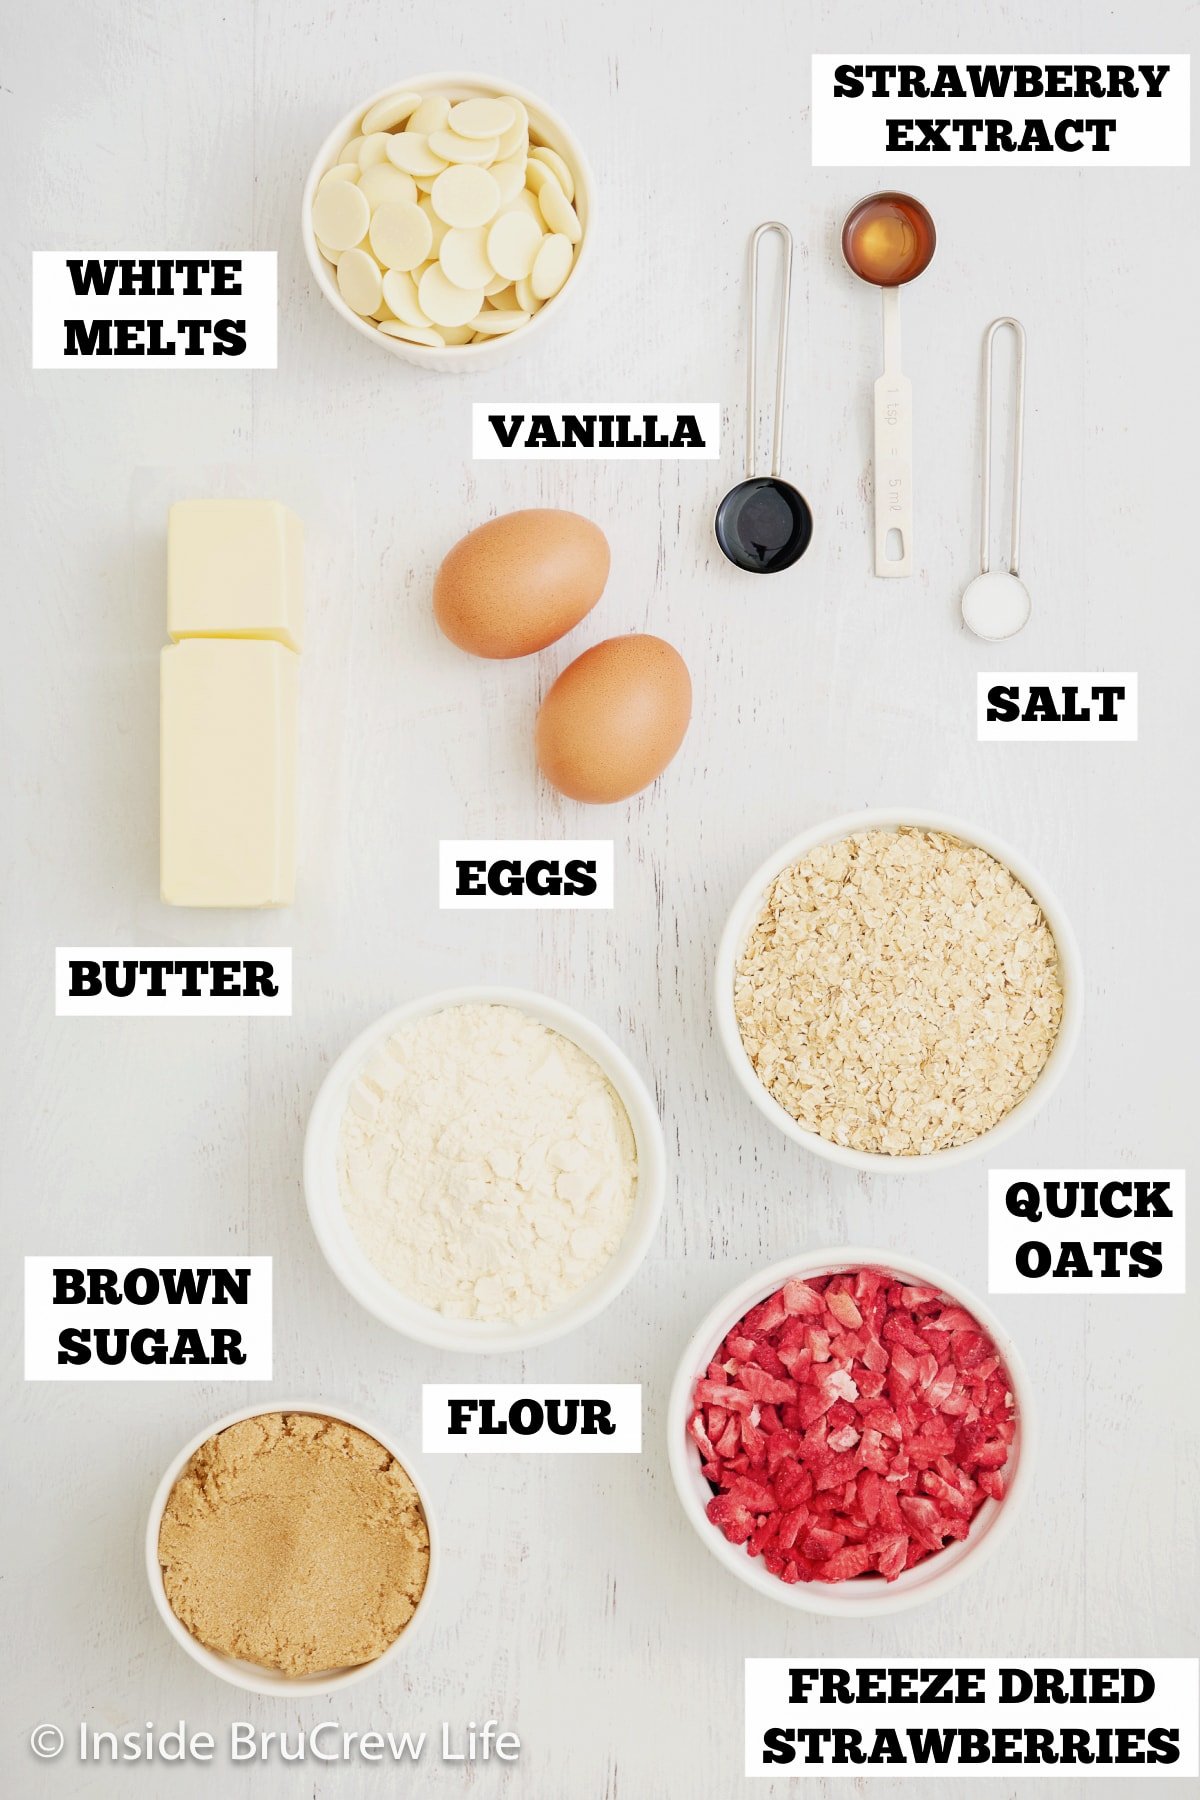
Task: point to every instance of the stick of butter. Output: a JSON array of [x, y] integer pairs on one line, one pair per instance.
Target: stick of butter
[[228, 772], [234, 569]]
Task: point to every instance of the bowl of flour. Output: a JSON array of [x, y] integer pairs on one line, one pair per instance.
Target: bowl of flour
[[484, 1169]]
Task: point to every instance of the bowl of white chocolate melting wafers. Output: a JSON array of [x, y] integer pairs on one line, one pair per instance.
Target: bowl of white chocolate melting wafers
[[447, 217]]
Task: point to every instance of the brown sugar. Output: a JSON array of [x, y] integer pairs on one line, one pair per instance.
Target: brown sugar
[[296, 1542]]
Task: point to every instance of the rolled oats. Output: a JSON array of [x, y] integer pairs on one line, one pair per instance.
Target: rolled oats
[[899, 992]]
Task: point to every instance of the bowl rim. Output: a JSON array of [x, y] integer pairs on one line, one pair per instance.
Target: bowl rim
[[432, 355], [249, 1676], [745, 910], [364, 1282], [912, 1588]]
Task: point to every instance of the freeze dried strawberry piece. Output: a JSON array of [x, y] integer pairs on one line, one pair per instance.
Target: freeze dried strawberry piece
[[968, 1348], [761, 1536], [980, 1446], [870, 1382], [699, 1437], [898, 1328], [891, 1558], [912, 1297], [952, 1318], [813, 1448], [793, 1484], [869, 1495], [782, 1448], [956, 1403], [940, 1388], [753, 1494], [761, 1386], [890, 1515], [948, 1497], [932, 1440], [923, 1519], [867, 1284], [727, 1444], [839, 1471], [733, 1399], [789, 1525], [882, 1419], [852, 1425], [813, 1403], [770, 1362], [819, 1543], [844, 1310], [874, 1455], [799, 1297], [765, 1318], [845, 1564], [753, 1442]]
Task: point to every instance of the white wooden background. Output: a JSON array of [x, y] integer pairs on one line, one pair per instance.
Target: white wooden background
[[578, 1607]]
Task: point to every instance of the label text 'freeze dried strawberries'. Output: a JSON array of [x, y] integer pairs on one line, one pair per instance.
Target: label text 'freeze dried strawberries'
[[1018, 1716]]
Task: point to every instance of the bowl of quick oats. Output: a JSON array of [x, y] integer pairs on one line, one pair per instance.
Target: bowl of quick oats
[[898, 990]]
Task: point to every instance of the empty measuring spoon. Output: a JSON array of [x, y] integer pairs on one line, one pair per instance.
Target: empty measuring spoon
[[888, 240], [996, 605], [764, 524]]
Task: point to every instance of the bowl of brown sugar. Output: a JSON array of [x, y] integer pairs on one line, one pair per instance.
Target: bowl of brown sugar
[[292, 1549]]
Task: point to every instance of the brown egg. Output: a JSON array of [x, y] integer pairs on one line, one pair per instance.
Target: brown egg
[[614, 719], [520, 582]]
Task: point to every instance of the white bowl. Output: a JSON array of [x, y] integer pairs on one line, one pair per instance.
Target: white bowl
[[455, 358], [864, 1597], [358, 1274], [748, 906], [250, 1676]]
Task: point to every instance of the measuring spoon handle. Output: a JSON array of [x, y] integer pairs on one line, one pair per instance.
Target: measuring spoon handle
[[893, 451]]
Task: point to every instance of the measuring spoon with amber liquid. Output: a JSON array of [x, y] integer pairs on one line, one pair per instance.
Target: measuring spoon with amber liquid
[[888, 240]]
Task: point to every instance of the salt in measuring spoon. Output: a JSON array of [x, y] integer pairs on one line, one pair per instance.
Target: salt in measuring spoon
[[888, 240], [765, 524], [996, 605]]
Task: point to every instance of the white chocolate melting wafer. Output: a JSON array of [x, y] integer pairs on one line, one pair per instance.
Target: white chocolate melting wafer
[[551, 266], [386, 114], [340, 215], [360, 281], [444, 303], [409, 150], [465, 196]]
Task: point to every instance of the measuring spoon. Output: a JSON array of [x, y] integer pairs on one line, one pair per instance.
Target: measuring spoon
[[996, 605], [765, 524], [888, 240]]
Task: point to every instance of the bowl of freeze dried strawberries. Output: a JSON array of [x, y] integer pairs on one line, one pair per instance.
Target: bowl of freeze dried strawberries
[[850, 1432], [898, 991]]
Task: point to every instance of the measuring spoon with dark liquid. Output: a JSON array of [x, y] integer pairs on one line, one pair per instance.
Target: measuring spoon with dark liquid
[[764, 524]]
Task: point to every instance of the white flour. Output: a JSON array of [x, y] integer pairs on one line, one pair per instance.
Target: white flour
[[486, 1165]]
